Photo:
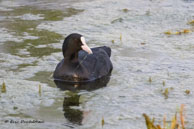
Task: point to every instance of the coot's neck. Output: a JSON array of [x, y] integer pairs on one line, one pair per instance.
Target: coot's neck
[[71, 57]]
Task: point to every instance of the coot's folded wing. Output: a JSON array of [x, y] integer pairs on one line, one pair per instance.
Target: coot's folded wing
[[97, 64]]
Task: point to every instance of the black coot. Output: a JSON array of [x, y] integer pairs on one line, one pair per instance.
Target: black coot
[[82, 64]]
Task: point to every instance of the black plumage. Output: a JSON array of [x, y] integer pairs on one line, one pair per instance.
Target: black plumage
[[82, 64]]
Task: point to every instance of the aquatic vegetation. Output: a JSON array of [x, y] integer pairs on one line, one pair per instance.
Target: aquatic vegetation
[[133, 62], [44, 77], [177, 33], [187, 92], [22, 28], [48, 14], [15, 108], [150, 80], [184, 31], [45, 37], [125, 10], [175, 124], [24, 65], [39, 52], [117, 20], [143, 43], [147, 13], [191, 22], [168, 32], [3, 88], [149, 123], [166, 93], [19, 27], [121, 37], [39, 89], [182, 117], [102, 122], [163, 83]]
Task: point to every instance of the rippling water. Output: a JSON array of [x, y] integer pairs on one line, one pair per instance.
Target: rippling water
[[146, 62]]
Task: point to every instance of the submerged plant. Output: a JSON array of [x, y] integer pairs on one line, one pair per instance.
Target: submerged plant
[[15, 108], [120, 37], [191, 22], [166, 93], [102, 122], [143, 43], [39, 90], [187, 92], [3, 88], [175, 124], [163, 83], [125, 10], [117, 20], [150, 80], [168, 32]]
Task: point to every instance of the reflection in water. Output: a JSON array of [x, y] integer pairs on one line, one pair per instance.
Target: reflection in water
[[75, 115], [89, 86]]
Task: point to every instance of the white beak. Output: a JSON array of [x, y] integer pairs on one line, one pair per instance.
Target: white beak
[[85, 46]]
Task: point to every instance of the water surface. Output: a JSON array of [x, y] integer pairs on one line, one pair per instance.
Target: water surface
[[31, 36]]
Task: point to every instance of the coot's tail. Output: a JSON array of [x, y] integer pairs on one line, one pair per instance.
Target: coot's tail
[[108, 50]]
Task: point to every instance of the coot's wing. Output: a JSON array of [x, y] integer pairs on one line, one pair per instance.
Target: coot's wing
[[97, 64], [106, 49]]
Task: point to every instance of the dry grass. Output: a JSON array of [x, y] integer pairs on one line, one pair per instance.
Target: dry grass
[[175, 124]]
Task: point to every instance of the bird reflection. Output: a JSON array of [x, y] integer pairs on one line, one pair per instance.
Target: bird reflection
[[73, 115], [76, 116]]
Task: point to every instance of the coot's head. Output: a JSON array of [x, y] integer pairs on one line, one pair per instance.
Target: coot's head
[[74, 43]]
